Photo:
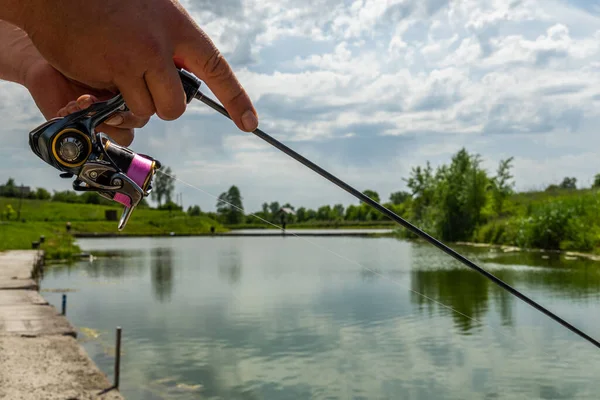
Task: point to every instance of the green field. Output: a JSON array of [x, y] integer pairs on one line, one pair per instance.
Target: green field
[[49, 218]]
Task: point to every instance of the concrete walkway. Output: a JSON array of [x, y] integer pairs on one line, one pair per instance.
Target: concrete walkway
[[39, 354]]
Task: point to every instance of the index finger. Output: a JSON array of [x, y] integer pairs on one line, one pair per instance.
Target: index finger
[[200, 56]]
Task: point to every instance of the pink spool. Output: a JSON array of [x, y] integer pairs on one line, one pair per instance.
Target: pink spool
[[138, 171]]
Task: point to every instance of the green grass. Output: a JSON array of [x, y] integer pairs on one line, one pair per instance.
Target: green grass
[[559, 220], [88, 217], [49, 218], [18, 236]]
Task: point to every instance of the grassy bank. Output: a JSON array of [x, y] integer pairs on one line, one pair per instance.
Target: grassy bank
[[18, 236], [561, 220], [557, 220], [49, 218]]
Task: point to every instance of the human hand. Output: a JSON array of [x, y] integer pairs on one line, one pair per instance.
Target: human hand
[[57, 96], [134, 46]]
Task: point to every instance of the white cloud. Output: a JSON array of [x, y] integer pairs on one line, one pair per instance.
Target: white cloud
[[372, 87]]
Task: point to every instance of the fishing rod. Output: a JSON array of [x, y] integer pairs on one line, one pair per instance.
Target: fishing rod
[[71, 145]]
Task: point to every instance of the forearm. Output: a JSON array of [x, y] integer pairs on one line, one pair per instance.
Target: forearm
[[17, 53]]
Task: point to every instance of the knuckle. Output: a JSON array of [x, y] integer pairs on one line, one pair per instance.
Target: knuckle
[[216, 67], [131, 120], [154, 49], [142, 122], [171, 111], [143, 110]]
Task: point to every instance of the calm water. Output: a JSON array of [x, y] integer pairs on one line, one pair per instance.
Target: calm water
[[279, 318]]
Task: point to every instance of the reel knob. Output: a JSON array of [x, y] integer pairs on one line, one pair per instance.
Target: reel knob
[[71, 147]]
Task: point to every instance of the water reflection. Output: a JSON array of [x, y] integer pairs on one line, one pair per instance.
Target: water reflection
[[162, 273], [472, 295], [111, 265], [230, 266], [576, 279], [464, 290], [265, 318]]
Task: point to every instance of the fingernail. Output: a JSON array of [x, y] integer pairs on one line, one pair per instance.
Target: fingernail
[[115, 121], [85, 102], [249, 120]]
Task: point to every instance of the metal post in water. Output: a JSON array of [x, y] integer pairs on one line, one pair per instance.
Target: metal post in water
[[118, 357], [64, 304]]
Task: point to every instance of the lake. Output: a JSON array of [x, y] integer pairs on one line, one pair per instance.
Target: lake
[[330, 318]]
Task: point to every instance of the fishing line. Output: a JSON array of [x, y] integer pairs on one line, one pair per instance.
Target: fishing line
[[481, 323], [396, 218]]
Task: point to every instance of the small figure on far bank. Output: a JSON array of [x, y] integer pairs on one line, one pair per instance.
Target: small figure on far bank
[[212, 230], [283, 214], [282, 219], [68, 226]]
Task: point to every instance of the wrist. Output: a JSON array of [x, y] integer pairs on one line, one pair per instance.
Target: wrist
[[17, 53]]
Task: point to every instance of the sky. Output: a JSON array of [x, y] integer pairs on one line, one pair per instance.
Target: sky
[[368, 89]]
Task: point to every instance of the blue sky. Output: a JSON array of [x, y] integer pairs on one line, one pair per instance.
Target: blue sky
[[369, 89]]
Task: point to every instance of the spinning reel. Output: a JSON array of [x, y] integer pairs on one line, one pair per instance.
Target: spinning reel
[[72, 145]]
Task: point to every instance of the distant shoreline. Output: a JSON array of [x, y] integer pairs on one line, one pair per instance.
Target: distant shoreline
[[260, 232], [508, 249]]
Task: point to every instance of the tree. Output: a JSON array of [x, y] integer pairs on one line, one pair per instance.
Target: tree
[[164, 185], [460, 196], [301, 215], [91, 198], [324, 213], [373, 195], [596, 182], [229, 206], [274, 208], [42, 194], [9, 189], [352, 213], [502, 186], [421, 182], [399, 197], [194, 211], [338, 212], [569, 183], [450, 202]]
